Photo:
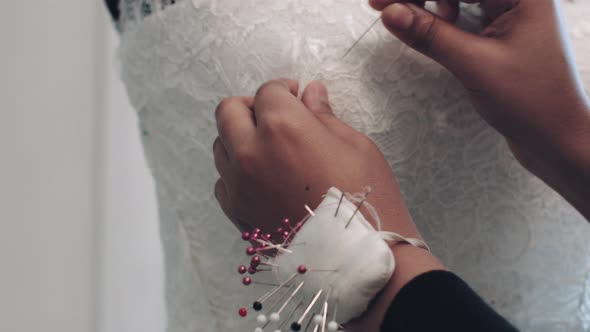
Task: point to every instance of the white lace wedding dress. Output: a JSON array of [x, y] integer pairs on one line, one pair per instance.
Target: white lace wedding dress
[[514, 240]]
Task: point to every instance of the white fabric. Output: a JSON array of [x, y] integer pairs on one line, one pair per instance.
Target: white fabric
[[513, 239], [355, 262]]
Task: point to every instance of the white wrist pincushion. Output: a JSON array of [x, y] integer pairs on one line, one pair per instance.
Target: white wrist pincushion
[[330, 266]]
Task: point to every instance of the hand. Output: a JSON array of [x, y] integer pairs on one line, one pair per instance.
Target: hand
[[276, 153], [521, 79]]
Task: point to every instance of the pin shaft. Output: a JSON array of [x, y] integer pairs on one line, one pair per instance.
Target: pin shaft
[[339, 203], [273, 291], [361, 37], [315, 299], [291, 297]]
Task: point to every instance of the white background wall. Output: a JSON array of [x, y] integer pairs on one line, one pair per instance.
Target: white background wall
[[48, 106], [78, 235]]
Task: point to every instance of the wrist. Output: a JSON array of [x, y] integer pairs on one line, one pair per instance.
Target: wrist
[[410, 263]]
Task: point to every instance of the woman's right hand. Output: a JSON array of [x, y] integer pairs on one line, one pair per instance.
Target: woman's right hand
[[521, 77]]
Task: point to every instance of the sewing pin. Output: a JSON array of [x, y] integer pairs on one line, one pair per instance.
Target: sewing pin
[[291, 297], [258, 303], [290, 316], [309, 323], [274, 317], [296, 326], [339, 203], [357, 208], [310, 210]]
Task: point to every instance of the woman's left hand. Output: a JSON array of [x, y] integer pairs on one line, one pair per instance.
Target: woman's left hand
[[276, 152]]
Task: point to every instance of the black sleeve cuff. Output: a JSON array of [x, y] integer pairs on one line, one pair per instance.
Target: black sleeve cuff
[[441, 301], [113, 6]]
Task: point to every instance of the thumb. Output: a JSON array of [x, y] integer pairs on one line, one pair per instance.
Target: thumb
[[443, 42], [315, 98]]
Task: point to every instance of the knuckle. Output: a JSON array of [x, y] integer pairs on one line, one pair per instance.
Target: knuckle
[[224, 106], [268, 88], [425, 30], [277, 124]]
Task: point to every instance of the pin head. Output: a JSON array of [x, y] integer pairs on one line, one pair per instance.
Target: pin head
[[242, 269], [302, 269], [257, 306], [243, 312], [261, 319], [255, 262], [252, 270], [247, 281], [318, 319], [296, 326], [332, 326], [250, 251], [286, 222], [246, 236]]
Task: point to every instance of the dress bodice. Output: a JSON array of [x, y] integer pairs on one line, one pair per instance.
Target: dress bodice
[[512, 238]]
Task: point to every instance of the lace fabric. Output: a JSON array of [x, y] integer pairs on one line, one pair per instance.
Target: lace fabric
[[513, 239]]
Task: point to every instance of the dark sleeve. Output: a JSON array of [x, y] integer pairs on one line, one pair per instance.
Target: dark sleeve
[[441, 301], [113, 6]]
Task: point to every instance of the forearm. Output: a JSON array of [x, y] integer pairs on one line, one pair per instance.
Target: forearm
[[564, 162]]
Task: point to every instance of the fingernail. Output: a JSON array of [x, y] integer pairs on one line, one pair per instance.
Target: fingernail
[[399, 16], [314, 91]]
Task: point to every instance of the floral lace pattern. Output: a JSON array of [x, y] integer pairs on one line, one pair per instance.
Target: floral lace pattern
[[513, 239]]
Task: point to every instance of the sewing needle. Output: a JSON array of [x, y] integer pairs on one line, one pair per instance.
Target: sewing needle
[[361, 37]]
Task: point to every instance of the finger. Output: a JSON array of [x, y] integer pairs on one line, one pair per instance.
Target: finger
[[448, 10], [315, 98], [221, 158], [276, 96], [496, 8], [222, 197], [455, 49], [235, 121], [381, 4]]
